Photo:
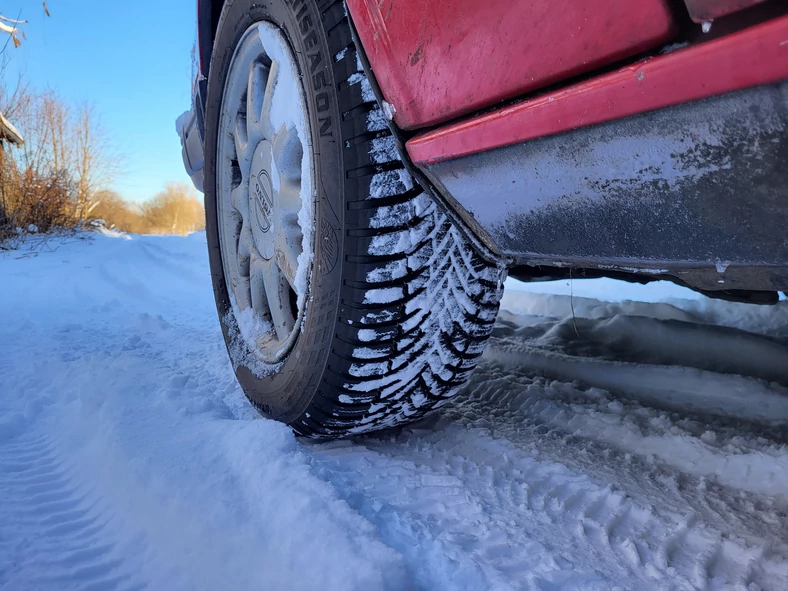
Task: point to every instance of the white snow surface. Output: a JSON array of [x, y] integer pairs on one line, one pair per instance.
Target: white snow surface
[[637, 445], [245, 327]]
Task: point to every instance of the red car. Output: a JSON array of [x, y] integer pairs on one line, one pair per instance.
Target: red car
[[373, 170]]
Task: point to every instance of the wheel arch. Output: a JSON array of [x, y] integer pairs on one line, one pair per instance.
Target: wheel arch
[[208, 12]]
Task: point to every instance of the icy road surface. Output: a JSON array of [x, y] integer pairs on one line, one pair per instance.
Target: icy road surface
[[634, 456]]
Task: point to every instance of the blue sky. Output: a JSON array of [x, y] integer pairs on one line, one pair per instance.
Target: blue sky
[[131, 59]]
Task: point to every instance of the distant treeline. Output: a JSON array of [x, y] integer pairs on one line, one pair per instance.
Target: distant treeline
[[173, 211]]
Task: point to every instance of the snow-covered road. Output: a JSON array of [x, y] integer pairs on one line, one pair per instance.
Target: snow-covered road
[[619, 449]]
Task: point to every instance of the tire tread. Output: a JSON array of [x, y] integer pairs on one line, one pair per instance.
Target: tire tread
[[430, 335]]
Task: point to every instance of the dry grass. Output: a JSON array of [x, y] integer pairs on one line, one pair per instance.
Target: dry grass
[[38, 208]]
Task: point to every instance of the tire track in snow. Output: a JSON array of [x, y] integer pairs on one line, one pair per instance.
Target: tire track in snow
[[500, 515], [518, 485], [741, 454], [703, 514], [593, 433], [53, 534]]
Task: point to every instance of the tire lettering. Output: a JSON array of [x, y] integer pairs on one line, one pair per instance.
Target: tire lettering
[[322, 101], [325, 127], [329, 250], [319, 80], [310, 40], [306, 24], [314, 60]]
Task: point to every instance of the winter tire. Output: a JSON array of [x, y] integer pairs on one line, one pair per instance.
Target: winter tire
[[374, 308]]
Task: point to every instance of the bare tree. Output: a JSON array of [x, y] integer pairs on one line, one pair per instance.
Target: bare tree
[[56, 116], [66, 160], [176, 210], [117, 213], [95, 163], [10, 103], [11, 27]]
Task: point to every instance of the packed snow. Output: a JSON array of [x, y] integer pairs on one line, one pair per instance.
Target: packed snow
[[602, 444]]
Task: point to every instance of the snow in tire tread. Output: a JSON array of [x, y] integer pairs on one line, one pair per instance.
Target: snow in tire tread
[[418, 303]]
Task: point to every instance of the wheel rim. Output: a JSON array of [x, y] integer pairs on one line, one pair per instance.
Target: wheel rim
[[264, 192]]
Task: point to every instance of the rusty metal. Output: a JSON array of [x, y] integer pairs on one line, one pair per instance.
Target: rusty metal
[[707, 10]]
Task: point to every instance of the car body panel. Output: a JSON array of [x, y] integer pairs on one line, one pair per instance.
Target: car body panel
[[758, 55], [672, 167], [707, 10], [437, 60]]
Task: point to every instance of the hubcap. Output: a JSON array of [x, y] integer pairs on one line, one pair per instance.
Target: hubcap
[[264, 192]]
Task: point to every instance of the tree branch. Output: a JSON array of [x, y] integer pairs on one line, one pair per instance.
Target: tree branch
[[12, 21], [7, 29]]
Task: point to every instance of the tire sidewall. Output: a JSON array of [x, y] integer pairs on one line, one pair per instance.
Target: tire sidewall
[[287, 393]]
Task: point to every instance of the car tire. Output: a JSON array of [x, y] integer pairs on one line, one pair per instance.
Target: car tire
[[400, 302]]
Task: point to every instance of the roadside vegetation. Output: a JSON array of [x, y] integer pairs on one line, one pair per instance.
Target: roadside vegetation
[[176, 210], [60, 177], [58, 164]]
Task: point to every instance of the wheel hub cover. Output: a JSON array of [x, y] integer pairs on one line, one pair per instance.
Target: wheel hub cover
[[263, 200], [264, 193]]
